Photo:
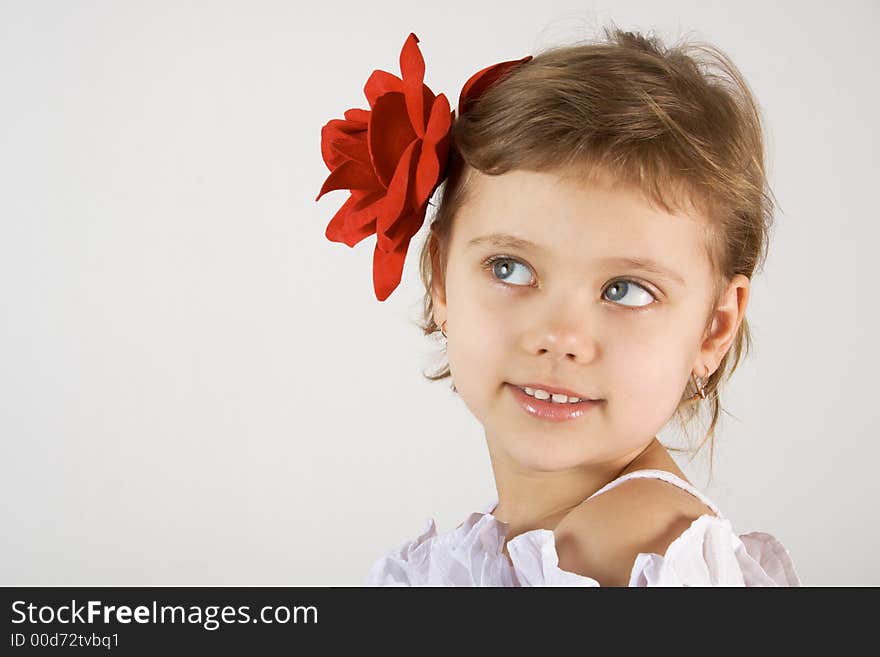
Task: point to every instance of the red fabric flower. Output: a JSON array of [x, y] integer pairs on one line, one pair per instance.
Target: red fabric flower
[[392, 157]]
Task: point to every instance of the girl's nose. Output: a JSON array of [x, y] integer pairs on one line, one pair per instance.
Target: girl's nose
[[571, 340]]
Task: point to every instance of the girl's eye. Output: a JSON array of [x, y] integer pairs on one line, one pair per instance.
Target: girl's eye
[[502, 267], [621, 287]]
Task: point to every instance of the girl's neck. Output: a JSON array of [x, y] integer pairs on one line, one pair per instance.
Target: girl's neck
[[525, 510]]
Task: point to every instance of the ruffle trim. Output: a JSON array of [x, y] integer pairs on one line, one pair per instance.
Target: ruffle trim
[[707, 553]]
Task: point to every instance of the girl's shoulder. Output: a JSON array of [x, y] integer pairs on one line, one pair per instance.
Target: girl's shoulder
[[649, 519], [637, 513], [639, 530]]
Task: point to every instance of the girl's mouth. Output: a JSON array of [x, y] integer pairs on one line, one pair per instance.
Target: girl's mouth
[[550, 410]]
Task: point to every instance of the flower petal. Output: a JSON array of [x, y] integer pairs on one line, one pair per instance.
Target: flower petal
[[435, 151], [482, 80], [368, 198], [418, 96], [412, 64], [407, 226], [356, 115], [350, 225], [396, 201], [349, 175], [387, 270], [380, 83], [335, 132], [388, 135], [356, 149]]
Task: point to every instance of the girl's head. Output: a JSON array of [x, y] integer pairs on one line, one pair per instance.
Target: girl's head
[[593, 157]]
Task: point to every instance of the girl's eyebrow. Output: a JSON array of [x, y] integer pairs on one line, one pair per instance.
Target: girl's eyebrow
[[503, 240]]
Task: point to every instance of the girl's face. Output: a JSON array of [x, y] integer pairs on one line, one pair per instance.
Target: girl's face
[[565, 305]]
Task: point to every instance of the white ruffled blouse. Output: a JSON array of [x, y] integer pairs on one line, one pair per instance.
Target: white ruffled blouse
[[708, 553]]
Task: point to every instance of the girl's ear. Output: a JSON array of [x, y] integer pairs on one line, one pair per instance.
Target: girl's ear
[[726, 318], [438, 283]]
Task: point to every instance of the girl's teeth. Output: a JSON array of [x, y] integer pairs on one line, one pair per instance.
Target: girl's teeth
[[556, 398]]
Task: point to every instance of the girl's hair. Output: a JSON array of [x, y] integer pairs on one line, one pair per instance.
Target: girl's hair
[[655, 117]]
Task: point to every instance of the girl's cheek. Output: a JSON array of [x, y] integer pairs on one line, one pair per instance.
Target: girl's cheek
[[487, 330]]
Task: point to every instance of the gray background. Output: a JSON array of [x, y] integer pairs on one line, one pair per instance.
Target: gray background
[[198, 388]]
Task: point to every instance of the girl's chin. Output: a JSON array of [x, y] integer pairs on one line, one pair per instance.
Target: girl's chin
[[538, 454]]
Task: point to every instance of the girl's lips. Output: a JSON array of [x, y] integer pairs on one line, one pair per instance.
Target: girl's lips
[[551, 411], [553, 389]]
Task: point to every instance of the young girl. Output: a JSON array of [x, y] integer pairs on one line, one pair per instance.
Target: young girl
[[605, 207]]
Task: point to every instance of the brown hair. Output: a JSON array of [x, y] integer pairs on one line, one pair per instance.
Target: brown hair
[[660, 118]]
